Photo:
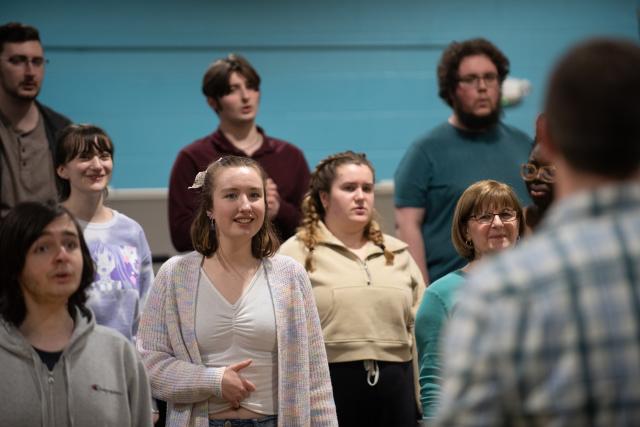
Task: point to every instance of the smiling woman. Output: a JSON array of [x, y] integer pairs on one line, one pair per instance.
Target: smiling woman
[[487, 219], [231, 335], [119, 248]]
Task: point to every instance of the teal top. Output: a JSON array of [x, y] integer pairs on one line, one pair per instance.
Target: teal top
[[437, 169], [435, 310]]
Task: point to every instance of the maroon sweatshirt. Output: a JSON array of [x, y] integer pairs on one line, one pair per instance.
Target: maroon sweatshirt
[[284, 163]]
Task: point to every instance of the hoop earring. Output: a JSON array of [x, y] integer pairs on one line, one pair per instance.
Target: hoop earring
[[469, 243]]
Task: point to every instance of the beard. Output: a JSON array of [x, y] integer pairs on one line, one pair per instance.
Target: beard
[[14, 92], [474, 122]]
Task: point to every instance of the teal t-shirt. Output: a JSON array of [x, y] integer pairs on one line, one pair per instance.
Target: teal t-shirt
[[438, 168], [435, 310]]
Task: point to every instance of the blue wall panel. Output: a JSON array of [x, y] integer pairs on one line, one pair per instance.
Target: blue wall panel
[[336, 74]]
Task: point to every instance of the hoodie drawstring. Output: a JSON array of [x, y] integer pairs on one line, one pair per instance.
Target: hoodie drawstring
[[373, 372]]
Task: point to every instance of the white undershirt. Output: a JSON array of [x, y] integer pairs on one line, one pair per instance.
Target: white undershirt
[[230, 333]]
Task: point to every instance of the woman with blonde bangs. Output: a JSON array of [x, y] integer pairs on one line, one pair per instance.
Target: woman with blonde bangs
[[231, 335], [367, 289], [488, 219]]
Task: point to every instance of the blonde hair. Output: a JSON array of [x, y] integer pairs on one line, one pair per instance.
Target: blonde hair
[[313, 211], [474, 200], [264, 244]]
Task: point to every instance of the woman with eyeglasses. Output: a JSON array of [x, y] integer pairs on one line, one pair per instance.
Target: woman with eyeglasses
[[539, 176], [487, 219]]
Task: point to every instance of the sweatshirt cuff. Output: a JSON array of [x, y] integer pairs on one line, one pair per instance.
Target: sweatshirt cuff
[[217, 381]]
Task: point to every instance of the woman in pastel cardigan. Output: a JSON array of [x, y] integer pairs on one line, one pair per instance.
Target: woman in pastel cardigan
[[232, 241]]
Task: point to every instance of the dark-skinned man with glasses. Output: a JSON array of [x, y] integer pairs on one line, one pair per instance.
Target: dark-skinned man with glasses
[[27, 128], [539, 175], [472, 145]]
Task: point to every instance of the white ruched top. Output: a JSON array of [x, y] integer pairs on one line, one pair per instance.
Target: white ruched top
[[230, 333]]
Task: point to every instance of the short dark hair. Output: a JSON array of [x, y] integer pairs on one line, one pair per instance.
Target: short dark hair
[[204, 239], [22, 226], [76, 139], [455, 53], [592, 107], [15, 32], [215, 83]]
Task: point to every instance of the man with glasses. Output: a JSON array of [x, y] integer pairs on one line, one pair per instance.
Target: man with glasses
[[539, 176], [548, 334], [27, 128], [471, 146]]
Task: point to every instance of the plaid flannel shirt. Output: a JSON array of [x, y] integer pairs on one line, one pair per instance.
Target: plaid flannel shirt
[[549, 333]]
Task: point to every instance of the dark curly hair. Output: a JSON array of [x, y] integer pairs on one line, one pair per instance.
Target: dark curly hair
[[455, 53]]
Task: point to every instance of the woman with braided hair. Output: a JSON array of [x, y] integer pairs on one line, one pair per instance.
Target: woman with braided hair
[[367, 289]]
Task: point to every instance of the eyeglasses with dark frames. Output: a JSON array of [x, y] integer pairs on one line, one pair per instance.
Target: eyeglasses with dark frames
[[473, 80], [485, 218]]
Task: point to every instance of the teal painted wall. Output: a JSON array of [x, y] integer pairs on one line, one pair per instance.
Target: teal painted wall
[[336, 74]]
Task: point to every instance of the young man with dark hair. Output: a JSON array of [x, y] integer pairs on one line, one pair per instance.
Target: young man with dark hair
[[232, 89], [27, 128], [58, 367], [549, 333], [471, 146]]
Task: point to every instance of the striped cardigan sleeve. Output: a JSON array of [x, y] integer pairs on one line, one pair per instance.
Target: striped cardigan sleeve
[[173, 375], [323, 411]]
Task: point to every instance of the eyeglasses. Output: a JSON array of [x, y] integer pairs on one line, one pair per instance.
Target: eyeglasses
[[22, 61], [529, 172], [485, 218], [473, 80]]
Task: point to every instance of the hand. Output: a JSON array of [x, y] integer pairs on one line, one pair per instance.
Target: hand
[[273, 199], [234, 387]]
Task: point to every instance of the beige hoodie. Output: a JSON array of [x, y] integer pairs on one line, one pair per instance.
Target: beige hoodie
[[367, 308]]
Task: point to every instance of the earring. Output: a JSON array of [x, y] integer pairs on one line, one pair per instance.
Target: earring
[[469, 243], [213, 224]]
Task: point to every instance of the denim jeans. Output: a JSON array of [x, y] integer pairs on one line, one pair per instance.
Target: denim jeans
[[266, 421]]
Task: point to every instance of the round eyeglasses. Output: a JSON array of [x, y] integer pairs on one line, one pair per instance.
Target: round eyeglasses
[[529, 172]]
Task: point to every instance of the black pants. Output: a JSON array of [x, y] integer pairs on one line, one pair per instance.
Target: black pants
[[391, 402]]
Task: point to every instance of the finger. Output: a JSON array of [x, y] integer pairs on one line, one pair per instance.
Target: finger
[[248, 385], [240, 365]]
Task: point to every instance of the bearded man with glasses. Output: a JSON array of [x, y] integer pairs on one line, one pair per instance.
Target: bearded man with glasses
[[471, 146], [27, 128]]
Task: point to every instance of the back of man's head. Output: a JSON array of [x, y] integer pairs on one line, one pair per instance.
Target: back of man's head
[[593, 107], [15, 32]]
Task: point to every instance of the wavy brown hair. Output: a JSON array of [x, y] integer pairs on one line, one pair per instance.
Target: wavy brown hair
[[205, 240], [313, 212]]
